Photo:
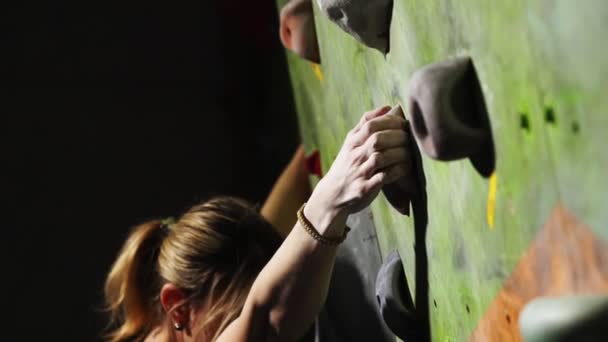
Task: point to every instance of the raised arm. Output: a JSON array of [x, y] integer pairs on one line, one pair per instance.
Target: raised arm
[[291, 189], [288, 293]]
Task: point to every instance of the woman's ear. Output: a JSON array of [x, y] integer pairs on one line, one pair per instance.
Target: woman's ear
[[173, 300]]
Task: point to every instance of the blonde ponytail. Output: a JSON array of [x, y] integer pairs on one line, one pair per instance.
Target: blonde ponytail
[[132, 288], [213, 253]]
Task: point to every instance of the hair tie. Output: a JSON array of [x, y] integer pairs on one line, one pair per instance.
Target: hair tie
[[165, 224]]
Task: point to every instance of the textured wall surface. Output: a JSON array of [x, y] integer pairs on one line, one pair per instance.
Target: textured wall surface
[[544, 74]]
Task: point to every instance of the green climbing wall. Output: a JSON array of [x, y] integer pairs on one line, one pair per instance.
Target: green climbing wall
[[543, 67]]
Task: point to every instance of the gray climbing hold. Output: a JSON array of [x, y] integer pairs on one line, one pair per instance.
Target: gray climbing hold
[[582, 318], [297, 30], [449, 115], [394, 299], [368, 21]]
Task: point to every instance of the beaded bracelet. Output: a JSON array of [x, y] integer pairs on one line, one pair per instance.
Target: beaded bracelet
[[310, 229]]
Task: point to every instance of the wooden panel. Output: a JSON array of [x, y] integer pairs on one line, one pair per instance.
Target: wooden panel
[[565, 258]]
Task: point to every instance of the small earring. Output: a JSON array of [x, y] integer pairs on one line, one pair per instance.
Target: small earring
[[178, 326]]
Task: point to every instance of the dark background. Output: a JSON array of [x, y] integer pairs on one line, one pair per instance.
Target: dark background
[[111, 114]]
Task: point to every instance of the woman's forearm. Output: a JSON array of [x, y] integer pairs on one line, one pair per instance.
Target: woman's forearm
[[290, 290], [298, 275]]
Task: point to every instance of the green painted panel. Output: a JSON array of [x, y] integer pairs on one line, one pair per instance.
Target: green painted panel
[[570, 38], [541, 62]]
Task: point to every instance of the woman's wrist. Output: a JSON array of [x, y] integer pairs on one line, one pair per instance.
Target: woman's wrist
[[328, 219]]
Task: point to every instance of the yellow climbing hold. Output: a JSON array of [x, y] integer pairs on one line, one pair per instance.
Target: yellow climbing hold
[[492, 199], [316, 68]]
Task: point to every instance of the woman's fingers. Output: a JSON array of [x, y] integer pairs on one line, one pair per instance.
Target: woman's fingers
[[369, 159], [387, 176], [367, 116], [375, 182], [374, 114], [381, 123], [383, 140], [384, 159]]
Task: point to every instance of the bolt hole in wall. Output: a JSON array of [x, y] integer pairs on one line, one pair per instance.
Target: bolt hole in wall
[[524, 122], [575, 127], [551, 119], [468, 309], [508, 318], [435, 303], [550, 115]]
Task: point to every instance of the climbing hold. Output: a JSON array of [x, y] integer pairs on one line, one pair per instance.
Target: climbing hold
[[570, 318], [316, 69], [368, 21], [449, 115], [400, 193], [394, 299], [297, 30], [491, 208]]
